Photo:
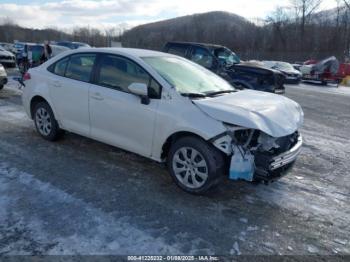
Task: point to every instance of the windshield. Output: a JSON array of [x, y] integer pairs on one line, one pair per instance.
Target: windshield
[[285, 66], [188, 77], [19, 45], [226, 56], [79, 45]]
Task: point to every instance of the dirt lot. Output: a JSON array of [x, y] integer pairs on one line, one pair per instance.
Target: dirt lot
[[78, 196]]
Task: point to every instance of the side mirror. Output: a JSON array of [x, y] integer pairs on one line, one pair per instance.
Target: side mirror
[[141, 90]]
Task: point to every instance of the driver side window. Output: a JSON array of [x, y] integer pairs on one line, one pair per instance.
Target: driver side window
[[118, 73], [202, 57]]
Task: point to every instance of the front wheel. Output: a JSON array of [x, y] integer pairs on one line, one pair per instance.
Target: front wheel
[[195, 165], [45, 122]]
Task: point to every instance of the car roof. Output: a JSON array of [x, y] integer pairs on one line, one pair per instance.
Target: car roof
[[123, 51], [210, 46]]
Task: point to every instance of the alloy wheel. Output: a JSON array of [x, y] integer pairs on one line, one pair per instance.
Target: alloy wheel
[[190, 167], [43, 121]]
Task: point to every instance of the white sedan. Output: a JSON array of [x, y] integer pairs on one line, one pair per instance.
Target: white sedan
[[166, 108]]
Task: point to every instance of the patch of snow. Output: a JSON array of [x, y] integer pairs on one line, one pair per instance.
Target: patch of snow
[[340, 241], [329, 89], [14, 86], [252, 228], [235, 249], [312, 249], [243, 220], [91, 231]]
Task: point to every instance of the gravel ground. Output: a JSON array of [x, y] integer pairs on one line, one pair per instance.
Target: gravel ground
[[78, 196]]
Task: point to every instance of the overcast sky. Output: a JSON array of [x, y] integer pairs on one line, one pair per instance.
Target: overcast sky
[[107, 13]]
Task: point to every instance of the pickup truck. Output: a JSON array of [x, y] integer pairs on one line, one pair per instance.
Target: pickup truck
[[225, 63]]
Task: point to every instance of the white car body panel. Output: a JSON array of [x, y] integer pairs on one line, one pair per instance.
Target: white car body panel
[[2, 71], [121, 120], [275, 115], [118, 118], [71, 101]]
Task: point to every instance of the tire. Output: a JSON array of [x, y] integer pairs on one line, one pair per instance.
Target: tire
[[195, 165], [1, 87], [45, 122]]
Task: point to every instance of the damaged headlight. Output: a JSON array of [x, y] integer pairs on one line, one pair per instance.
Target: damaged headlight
[[235, 135], [224, 144], [267, 142]]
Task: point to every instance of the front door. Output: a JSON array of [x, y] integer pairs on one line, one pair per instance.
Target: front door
[[117, 116]]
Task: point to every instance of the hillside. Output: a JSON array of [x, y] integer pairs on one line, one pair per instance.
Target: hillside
[[324, 35], [221, 26]]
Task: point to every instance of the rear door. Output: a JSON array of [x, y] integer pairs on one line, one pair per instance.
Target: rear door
[[117, 116], [69, 91]]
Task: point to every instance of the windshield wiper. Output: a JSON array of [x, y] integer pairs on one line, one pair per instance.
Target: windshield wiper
[[220, 92], [193, 95]]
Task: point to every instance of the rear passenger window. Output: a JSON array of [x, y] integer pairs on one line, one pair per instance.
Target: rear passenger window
[[60, 67], [80, 67], [177, 50]]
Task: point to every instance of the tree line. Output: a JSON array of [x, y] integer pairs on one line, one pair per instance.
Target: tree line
[[296, 32], [11, 32]]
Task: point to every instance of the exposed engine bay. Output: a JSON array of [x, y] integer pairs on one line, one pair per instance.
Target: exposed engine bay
[[270, 156]]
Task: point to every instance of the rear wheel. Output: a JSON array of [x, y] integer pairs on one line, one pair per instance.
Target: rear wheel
[[195, 165], [45, 122]]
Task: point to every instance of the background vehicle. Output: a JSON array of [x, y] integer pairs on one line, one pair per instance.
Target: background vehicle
[[8, 47], [171, 110], [325, 71], [30, 55], [72, 45], [227, 64], [3, 77], [57, 49], [292, 75], [7, 59]]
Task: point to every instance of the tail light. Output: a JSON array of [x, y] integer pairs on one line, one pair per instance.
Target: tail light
[[26, 76]]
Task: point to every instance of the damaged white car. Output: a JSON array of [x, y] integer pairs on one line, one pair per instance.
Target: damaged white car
[[168, 109]]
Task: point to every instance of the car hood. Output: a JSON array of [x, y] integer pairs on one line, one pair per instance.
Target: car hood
[[273, 114], [6, 53], [290, 71], [255, 67]]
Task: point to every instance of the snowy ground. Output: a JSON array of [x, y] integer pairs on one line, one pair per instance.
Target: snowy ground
[[78, 196]]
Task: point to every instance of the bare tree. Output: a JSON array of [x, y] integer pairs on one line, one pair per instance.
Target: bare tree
[[347, 3], [279, 19], [304, 9]]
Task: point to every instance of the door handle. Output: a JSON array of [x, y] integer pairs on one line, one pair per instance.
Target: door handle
[[56, 84], [97, 96]]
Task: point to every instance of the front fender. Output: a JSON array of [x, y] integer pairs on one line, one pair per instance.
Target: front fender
[[179, 114]]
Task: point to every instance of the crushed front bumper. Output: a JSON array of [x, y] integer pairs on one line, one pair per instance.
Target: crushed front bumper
[[271, 168]]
